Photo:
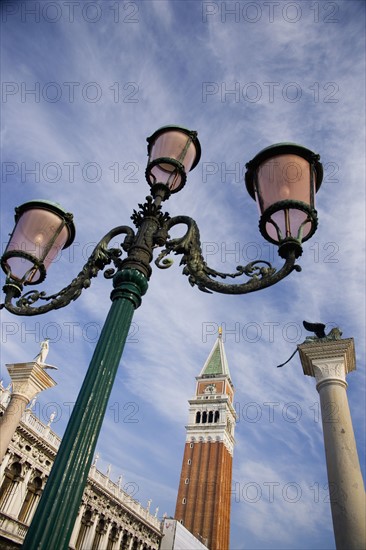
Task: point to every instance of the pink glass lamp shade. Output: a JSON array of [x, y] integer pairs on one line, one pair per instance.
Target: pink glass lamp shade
[[173, 151], [42, 229], [283, 179]]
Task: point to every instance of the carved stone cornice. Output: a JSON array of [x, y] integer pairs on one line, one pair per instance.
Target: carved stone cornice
[[32, 439], [328, 359], [28, 379]]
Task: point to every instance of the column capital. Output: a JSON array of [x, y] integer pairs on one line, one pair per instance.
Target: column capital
[[29, 378], [329, 371], [328, 359]]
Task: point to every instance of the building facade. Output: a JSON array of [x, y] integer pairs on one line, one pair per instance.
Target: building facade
[[109, 518], [177, 537], [204, 495]]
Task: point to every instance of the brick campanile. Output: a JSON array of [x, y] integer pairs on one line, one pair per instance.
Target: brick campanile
[[204, 495]]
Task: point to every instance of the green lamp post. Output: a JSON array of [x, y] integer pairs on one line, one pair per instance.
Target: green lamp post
[[282, 179]]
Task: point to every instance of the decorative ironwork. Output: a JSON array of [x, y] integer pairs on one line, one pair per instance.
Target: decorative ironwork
[[99, 258], [179, 169], [153, 228], [312, 217], [149, 209], [260, 272]]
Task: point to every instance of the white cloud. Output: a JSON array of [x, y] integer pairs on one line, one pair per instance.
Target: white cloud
[[163, 61]]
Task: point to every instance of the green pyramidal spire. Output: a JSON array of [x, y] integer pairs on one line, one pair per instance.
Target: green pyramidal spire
[[216, 364]]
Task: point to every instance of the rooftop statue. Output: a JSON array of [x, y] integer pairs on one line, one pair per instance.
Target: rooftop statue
[[43, 352]]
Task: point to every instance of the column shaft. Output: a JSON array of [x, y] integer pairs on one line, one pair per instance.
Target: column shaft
[[10, 420], [329, 360], [346, 488]]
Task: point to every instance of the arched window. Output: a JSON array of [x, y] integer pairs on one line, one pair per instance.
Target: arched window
[[113, 536], [217, 416], [86, 522], [210, 416], [99, 532], [125, 542], [31, 500], [198, 417], [189, 462], [13, 475], [204, 417], [184, 500]]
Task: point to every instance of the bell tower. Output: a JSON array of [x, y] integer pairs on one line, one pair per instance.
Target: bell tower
[[204, 495]]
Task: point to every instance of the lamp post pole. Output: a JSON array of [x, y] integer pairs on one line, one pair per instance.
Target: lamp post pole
[[288, 218], [54, 518]]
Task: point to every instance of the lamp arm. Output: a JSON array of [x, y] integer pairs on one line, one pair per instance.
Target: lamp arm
[[260, 272], [97, 261]]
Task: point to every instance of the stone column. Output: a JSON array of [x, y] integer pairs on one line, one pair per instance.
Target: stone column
[[28, 379], [88, 541], [77, 526], [119, 539], [21, 491], [3, 466], [329, 361], [104, 538]]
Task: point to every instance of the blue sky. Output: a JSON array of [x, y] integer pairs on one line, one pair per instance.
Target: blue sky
[[105, 75]]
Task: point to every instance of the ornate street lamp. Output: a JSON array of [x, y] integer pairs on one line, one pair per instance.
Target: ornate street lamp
[[42, 229], [173, 152], [282, 178]]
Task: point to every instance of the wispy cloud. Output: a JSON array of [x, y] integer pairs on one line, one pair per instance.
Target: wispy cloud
[[142, 65]]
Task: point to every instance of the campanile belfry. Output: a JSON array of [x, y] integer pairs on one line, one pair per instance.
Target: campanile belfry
[[203, 502]]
